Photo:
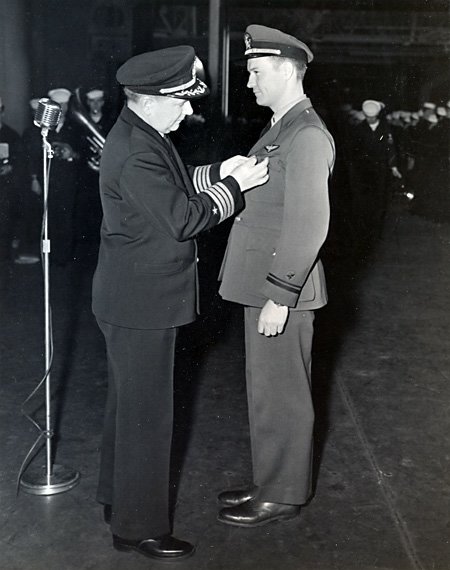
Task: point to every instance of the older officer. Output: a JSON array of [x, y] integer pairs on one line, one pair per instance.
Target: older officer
[[145, 285], [271, 267]]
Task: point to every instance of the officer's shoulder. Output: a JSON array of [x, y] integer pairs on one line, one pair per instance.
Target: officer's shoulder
[[308, 122]]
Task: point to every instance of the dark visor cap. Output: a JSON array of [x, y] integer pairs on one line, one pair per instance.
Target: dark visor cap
[[261, 41], [169, 72]]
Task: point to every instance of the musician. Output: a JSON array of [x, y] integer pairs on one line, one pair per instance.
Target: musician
[[95, 102], [31, 196], [64, 175]]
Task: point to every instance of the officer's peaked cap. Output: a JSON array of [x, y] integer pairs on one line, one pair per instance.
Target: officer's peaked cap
[[169, 72], [261, 41]]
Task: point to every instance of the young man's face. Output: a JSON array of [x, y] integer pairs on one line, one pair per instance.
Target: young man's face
[[95, 105], [266, 80], [371, 119]]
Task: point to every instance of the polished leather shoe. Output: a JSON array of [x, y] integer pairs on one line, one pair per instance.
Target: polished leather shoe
[[236, 498], [257, 513], [164, 548], [107, 513]]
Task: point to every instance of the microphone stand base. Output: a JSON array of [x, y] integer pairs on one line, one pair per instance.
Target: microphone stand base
[[37, 482]]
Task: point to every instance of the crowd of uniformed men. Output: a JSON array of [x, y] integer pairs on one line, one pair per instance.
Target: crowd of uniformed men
[[417, 144], [403, 151], [74, 212]]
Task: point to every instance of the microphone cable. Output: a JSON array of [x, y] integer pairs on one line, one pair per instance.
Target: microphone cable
[[43, 433]]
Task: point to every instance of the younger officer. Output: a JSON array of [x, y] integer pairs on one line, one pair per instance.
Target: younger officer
[[145, 285], [271, 267]]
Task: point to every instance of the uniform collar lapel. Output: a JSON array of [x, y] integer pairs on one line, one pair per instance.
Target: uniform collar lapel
[[271, 135], [131, 118], [169, 149]]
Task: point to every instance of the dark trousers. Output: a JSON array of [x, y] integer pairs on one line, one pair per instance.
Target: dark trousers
[[281, 415], [370, 201], [137, 436]]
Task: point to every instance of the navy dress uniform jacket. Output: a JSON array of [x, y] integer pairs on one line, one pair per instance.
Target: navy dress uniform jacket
[[153, 207], [274, 243]]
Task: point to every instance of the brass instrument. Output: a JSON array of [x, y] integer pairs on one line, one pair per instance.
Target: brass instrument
[[95, 139]]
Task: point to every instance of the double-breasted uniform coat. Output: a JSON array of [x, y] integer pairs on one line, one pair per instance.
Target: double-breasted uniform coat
[[145, 286], [273, 253]]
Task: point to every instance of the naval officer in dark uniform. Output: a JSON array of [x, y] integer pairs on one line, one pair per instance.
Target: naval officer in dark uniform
[[272, 267], [145, 285]]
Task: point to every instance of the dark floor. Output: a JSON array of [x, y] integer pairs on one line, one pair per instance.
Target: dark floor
[[382, 396]]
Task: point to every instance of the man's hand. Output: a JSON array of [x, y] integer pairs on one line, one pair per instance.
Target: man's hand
[[5, 169], [65, 151], [251, 173], [35, 185], [227, 166], [272, 318], [396, 172]]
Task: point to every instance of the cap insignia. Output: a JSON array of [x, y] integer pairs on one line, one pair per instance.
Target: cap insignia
[[199, 90]]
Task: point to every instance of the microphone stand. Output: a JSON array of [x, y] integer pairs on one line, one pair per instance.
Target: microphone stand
[[49, 479]]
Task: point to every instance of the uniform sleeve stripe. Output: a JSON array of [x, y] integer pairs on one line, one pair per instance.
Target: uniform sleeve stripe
[[222, 198], [283, 284], [219, 202], [201, 178]]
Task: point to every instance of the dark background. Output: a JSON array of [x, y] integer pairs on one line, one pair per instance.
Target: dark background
[[394, 51]]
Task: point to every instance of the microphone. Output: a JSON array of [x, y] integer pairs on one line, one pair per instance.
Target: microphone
[[47, 114]]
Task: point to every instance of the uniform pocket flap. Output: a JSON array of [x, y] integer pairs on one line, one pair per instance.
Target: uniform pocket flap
[[158, 268], [262, 239]]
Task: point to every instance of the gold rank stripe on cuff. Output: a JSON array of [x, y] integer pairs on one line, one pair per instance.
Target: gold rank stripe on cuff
[[201, 178], [283, 284], [223, 199]]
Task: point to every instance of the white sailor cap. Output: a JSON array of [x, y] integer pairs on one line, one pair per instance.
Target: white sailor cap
[[60, 95], [95, 94], [441, 112], [429, 105], [371, 108], [33, 103]]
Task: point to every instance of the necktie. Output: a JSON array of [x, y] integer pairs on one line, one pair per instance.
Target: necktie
[[265, 129]]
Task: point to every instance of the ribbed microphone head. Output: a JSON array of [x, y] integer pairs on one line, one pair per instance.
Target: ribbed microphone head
[[47, 114]]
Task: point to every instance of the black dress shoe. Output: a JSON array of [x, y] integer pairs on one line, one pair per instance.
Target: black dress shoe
[[236, 498], [257, 513], [164, 548], [107, 513]]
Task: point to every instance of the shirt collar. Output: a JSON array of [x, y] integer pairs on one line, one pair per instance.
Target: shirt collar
[[281, 112]]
